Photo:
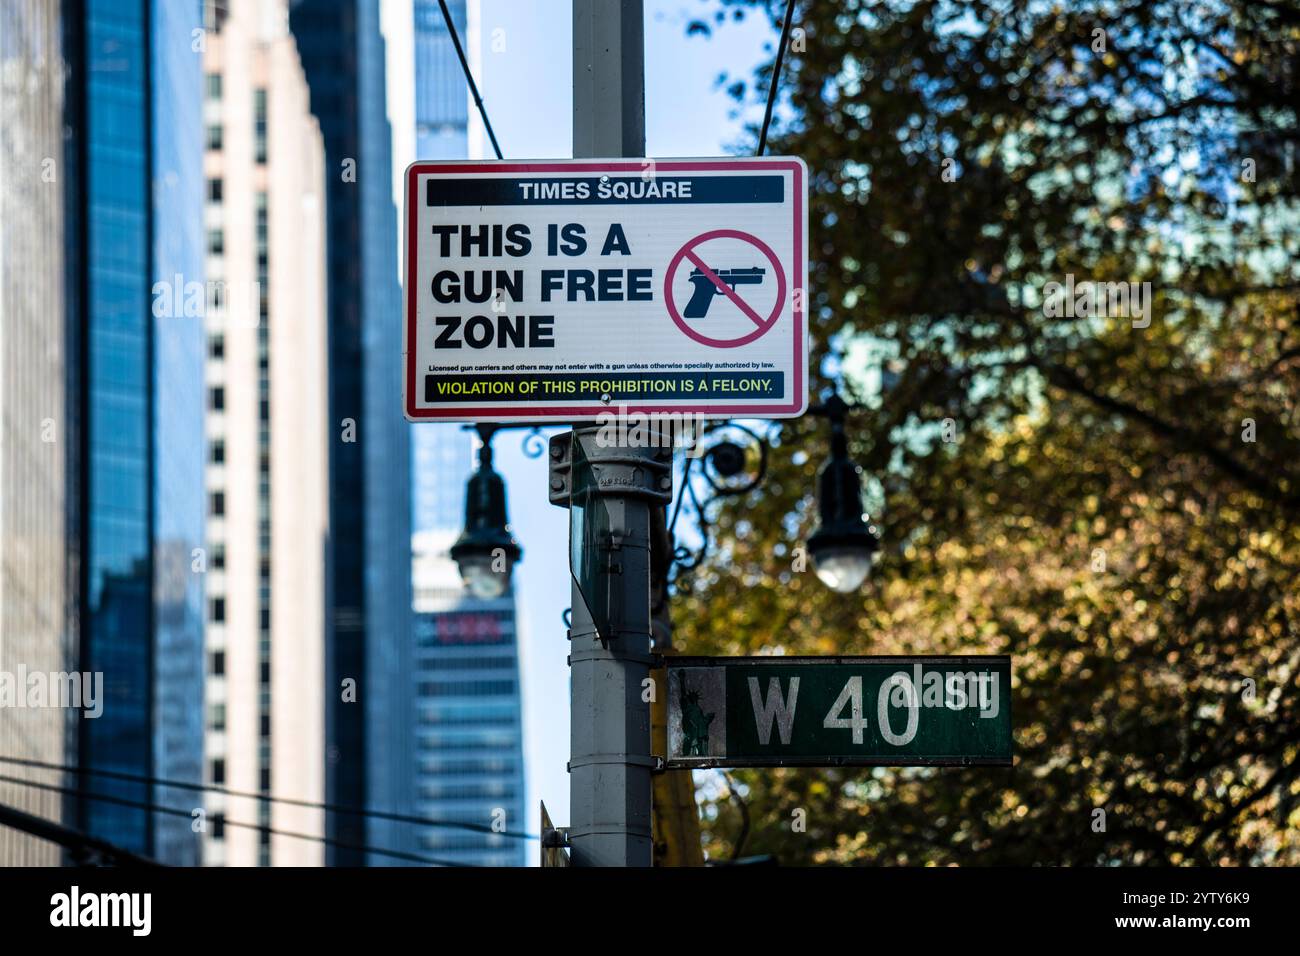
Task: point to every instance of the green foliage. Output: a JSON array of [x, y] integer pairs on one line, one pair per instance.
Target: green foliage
[[1100, 517]]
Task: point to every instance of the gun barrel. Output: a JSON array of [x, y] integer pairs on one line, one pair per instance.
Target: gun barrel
[[755, 273]]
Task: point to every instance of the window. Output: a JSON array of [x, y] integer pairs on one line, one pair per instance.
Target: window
[[266, 672], [218, 663], [217, 342], [219, 610], [266, 725], [218, 451], [218, 771], [214, 190], [218, 504], [219, 557], [218, 826], [218, 718], [214, 136], [265, 785], [259, 126], [217, 398], [215, 13], [216, 242], [214, 86]]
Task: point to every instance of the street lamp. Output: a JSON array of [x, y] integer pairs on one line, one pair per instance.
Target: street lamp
[[843, 547], [486, 552]]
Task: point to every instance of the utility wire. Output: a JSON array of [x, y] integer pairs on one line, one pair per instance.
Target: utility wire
[[776, 77], [213, 788], [469, 77], [188, 814], [82, 846]]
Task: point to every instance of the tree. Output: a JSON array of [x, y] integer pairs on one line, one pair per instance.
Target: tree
[[1120, 510]]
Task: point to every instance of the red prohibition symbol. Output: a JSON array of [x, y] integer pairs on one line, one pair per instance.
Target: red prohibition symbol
[[687, 252]]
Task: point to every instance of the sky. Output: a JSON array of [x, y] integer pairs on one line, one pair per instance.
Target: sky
[[527, 88]]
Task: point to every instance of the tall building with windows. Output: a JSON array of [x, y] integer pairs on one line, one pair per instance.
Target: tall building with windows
[[469, 743], [369, 626], [34, 485], [133, 193], [268, 454]]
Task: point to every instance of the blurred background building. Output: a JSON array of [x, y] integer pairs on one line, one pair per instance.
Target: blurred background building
[[34, 486], [369, 624], [469, 757], [268, 439], [207, 491], [134, 194]]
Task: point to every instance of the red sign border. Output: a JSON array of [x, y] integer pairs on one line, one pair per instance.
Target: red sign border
[[567, 413]]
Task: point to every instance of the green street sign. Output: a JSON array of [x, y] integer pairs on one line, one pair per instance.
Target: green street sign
[[838, 711]]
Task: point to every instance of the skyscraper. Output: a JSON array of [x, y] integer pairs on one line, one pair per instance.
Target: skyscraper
[[33, 420], [469, 742], [368, 735], [268, 435], [134, 195]]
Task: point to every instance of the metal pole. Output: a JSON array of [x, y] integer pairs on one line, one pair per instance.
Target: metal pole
[[608, 78], [610, 763]]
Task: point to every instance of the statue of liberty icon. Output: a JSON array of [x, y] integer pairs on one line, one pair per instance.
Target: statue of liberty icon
[[695, 722]]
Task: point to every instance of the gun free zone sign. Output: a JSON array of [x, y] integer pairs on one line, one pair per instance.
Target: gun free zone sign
[[549, 291]]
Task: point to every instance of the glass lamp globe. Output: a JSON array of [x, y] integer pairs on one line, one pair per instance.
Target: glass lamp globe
[[843, 569]]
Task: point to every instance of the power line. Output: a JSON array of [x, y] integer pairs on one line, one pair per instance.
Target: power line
[[80, 845], [293, 801], [776, 77], [188, 814], [469, 77]]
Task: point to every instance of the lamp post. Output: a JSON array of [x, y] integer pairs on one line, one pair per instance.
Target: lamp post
[[843, 547], [486, 552]]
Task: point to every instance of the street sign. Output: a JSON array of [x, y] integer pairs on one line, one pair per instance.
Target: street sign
[[549, 291], [838, 711]]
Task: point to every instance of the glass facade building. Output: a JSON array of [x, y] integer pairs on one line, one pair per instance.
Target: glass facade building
[[469, 742], [134, 194], [470, 754], [370, 623]]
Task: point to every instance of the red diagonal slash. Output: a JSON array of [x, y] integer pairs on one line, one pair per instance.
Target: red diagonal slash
[[727, 290]]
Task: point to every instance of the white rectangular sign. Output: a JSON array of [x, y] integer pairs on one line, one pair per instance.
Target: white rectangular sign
[[560, 289]]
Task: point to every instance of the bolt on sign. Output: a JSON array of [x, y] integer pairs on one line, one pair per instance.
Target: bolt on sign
[[838, 711], [548, 291]]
